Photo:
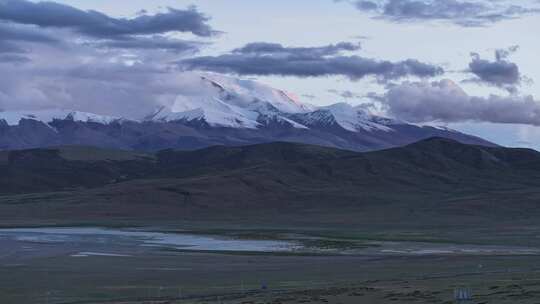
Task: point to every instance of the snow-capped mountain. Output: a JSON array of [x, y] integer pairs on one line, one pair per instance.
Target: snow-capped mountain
[[229, 102], [13, 118], [353, 119], [220, 110]]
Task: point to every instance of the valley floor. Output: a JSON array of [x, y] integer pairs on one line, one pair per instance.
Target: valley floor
[[88, 269]]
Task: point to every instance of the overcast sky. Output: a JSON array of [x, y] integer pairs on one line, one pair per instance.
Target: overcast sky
[[469, 64]]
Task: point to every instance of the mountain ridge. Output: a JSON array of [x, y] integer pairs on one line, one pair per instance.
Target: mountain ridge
[[219, 111], [436, 180], [441, 155]]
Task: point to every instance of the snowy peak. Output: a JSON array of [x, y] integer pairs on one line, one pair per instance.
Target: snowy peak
[[213, 112], [222, 101], [247, 93], [13, 118], [355, 119], [346, 116]]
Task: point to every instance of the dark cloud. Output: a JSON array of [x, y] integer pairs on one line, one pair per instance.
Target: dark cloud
[[500, 73], [23, 22], [96, 24], [460, 12], [366, 5], [274, 59], [446, 101], [276, 49]]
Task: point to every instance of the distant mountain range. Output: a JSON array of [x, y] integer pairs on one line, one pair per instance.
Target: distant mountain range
[[220, 111], [434, 181]]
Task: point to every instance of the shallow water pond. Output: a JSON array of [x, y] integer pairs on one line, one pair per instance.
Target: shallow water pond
[[113, 239]]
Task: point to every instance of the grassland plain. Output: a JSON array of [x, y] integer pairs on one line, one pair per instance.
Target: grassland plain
[[180, 277], [433, 192]]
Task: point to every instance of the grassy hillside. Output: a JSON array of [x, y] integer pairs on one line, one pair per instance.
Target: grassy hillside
[[433, 183]]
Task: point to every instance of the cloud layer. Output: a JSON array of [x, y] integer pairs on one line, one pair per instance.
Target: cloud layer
[[461, 12], [58, 56], [266, 59], [96, 24], [34, 22], [276, 49], [446, 101]]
